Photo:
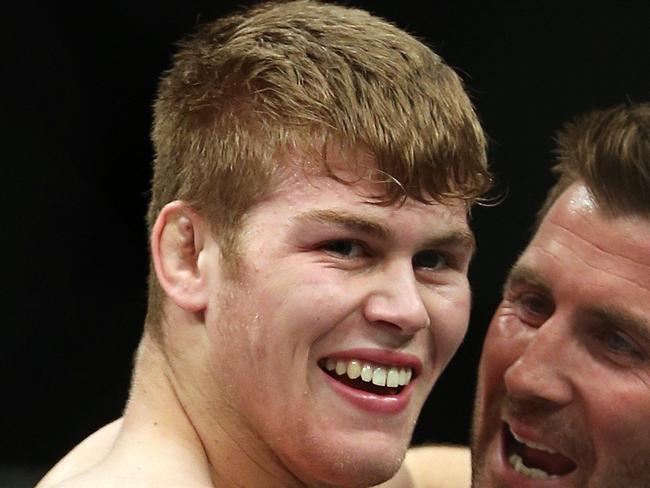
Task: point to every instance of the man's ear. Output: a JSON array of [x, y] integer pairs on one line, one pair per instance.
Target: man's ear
[[177, 241]]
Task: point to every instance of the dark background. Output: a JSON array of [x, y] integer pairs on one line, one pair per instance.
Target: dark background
[[77, 85]]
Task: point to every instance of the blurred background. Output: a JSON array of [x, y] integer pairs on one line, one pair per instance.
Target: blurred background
[[77, 85]]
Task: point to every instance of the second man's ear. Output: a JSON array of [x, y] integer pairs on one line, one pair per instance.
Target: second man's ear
[[177, 241]]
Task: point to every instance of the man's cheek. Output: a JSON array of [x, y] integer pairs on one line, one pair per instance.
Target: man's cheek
[[496, 357], [454, 321]]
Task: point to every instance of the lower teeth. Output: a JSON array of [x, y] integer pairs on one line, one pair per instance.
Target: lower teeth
[[518, 464]]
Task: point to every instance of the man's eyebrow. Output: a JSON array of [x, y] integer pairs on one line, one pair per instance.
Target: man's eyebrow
[[623, 319], [454, 238], [521, 274], [346, 220]]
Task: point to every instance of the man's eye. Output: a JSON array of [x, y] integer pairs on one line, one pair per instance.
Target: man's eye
[[534, 309], [618, 343], [344, 247], [429, 259]]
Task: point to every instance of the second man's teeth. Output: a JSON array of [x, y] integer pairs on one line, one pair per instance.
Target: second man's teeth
[[534, 445], [390, 376]]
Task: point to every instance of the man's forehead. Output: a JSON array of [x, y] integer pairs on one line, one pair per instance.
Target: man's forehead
[[356, 165], [353, 167], [577, 219]]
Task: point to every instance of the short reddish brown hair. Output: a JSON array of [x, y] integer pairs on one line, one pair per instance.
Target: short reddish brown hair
[[304, 74]]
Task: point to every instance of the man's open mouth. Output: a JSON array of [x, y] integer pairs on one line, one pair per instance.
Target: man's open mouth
[[379, 379], [533, 459]]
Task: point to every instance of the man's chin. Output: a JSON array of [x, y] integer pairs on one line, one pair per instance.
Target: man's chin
[[362, 474], [362, 465]]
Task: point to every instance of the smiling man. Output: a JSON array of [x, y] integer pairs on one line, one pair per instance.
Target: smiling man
[[309, 246], [564, 380]]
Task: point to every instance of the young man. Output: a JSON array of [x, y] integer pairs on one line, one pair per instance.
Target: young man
[[309, 245], [564, 380]]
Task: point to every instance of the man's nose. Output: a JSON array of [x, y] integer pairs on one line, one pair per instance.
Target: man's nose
[[543, 370], [396, 299]]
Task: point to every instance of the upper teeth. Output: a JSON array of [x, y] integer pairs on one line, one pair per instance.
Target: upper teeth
[[532, 444], [390, 376]]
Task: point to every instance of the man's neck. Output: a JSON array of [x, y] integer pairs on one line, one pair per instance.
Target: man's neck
[[190, 435], [157, 437]]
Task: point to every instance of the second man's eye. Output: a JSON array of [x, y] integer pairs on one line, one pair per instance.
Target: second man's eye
[[534, 309], [344, 247], [617, 343], [536, 305], [429, 259]]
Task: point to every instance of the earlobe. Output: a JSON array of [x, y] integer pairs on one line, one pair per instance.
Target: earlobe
[[177, 241]]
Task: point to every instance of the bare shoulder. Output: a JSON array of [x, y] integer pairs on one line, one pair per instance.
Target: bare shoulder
[[88, 453], [120, 455], [105, 478], [439, 467]]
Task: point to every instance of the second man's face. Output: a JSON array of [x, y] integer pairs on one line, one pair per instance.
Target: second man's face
[[564, 382], [341, 316]]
